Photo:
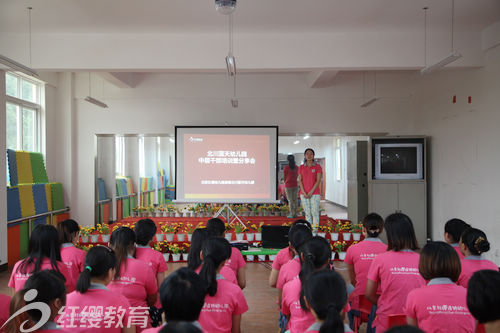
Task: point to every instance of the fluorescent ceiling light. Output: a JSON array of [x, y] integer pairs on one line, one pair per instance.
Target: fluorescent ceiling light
[[96, 102], [371, 101], [234, 102], [225, 7], [441, 63], [12, 64], [231, 65], [306, 136], [172, 140], [296, 142]]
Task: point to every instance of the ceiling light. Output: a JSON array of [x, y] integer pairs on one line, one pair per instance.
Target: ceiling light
[[441, 63], [225, 7], [371, 101], [234, 102], [231, 65], [172, 140], [306, 136], [96, 102], [296, 142]]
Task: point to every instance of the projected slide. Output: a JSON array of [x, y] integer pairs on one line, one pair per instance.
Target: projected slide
[[226, 164]]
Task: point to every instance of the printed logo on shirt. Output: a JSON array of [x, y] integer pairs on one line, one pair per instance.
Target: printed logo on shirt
[[125, 280], [313, 170], [215, 307], [448, 309], [404, 270], [367, 256]]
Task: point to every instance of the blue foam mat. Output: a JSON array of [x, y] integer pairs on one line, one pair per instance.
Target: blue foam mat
[[40, 198], [13, 204], [11, 156]]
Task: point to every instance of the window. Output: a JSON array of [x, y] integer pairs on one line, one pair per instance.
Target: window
[[120, 155], [338, 160], [23, 112]]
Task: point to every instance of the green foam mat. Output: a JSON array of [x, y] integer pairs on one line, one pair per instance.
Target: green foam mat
[[126, 208], [57, 196], [23, 239], [38, 169], [261, 251]]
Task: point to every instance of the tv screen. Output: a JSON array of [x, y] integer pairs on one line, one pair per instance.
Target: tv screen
[[398, 160]]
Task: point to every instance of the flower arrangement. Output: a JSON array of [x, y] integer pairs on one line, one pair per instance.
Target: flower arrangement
[[228, 227], [185, 247], [260, 227], [85, 231], [252, 226], [337, 227], [346, 226], [284, 208], [323, 228], [175, 248], [339, 246], [85, 247], [169, 228], [357, 228], [103, 229], [238, 228]]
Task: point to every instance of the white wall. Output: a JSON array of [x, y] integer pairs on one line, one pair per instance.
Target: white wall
[[465, 155]]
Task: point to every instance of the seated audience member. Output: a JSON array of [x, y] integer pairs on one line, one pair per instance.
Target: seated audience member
[[91, 291], [453, 229], [396, 271], [194, 258], [182, 296], [284, 255], [483, 299], [44, 252], [224, 301], [440, 266], [358, 260], [326, 296], [236, 262], [473, 244], [4, 309], [72, 256]]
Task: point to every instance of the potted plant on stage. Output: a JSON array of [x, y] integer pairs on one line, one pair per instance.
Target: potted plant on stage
[[356, 231], [258, 234], [229, 234], [168, 229], [346, 231], [151, 211], [163, 248], [160, 235], [253, 210], [284, 210], [185, 251], [175, 249], [189, 228], [340, 247], [94, 235], [252, 228], [322, 230], [335, 230], [239, 230], [103, 230], [84, 234], [181, 235], [135, 211]]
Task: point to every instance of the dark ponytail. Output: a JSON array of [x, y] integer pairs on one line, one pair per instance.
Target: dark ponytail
[[67, 230], [122, 240], [298, 235], [291, 161], [43, 243], [325, 292], [476, 241], [98, 261], [215, 251], [197, 240], [374, 224], [314, 255]]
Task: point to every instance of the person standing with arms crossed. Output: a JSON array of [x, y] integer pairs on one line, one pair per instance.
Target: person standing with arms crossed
[[309, 178], [290, 173]]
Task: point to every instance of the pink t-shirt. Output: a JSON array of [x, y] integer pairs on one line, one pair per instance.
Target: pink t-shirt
[[236, 260], [282, 258], [216, 314], [74, 258], [309, 175], [99, 308], [18, 279], [361, 256], [136, 281], [153, 258], [288, 272], [300, 320], [472, 264], [456, 246], [397, 274], [226, 272], [441, 306], [290, 176], [4, 309]]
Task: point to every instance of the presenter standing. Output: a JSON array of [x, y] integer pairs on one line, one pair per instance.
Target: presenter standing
[[309, 178], [290, 173]]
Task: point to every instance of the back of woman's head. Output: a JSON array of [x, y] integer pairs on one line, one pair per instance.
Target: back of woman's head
[[216, 227], [326, 294], [374, 224], [197, 240], [216, 250], [182, 295], [67, 230], [400, 233], [180, 327], [314, 255], [144, 229], [291, 161], [122, 241], [43, 243], [302, 223], [439, 259], [20, 321], [475, 240], [455, 228], [298, 236], [98, 261], [483, 295], [49, 286]]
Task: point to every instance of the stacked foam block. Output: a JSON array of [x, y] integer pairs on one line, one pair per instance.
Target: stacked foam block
[[162, 185], [103, 207], [29, 193], [147, 197], [124, 188]]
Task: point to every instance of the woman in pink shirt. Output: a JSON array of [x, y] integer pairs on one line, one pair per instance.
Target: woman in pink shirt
[[441, 305], [91, 292], [70, 255], [290, 173], [315, 256], [216, 227], [396, 271], [284, 255], [453, 229], [473, 244], [133, 279], [309, 179], [326, 296], [358, 260], [224, 302], [44, 252], [483, 299], [4, 309]]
